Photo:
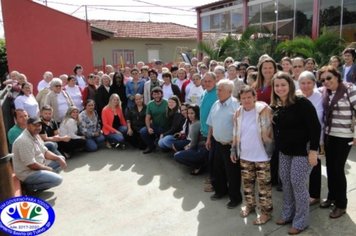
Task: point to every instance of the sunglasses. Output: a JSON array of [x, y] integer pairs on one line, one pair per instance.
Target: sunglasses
[[57, 86], [228, 61], [298, 66], [329, 77]]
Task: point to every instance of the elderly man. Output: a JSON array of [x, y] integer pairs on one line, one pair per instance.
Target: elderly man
[[47, 77], [33, 163], [220, 120]]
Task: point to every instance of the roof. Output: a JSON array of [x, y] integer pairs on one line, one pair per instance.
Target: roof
[[212, 4], [144, 30]]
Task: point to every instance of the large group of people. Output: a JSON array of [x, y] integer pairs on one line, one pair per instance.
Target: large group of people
[[267, 123]]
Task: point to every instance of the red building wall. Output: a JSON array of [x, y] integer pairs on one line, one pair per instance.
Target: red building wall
[[40, 39]]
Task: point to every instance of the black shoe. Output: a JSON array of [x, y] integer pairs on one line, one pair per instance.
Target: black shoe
[[148, 150], [337, 212], [232, 204], [216, 196], [327, 203]]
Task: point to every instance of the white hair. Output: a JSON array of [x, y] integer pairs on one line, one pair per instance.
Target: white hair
[[227, 84], [306, 75]]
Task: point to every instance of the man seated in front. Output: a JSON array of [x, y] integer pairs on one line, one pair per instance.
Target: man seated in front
[[34, 164]]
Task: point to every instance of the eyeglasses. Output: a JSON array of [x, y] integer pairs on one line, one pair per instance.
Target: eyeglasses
[[299, 66], [58, 85], [329, 77]]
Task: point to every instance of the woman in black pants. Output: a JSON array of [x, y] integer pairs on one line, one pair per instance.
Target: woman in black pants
[[339, 101]]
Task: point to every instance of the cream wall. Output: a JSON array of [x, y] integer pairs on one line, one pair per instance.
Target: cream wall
[[167, 49]]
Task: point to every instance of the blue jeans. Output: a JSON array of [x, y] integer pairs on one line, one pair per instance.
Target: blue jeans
[[117, 138], [149, 139], [44, 179], [92, 144], [180, 144], [195, 158], [53, 147], [166, 142]]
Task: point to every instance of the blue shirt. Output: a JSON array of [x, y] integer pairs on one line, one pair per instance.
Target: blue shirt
[[131, 92], [221, 119], [207, 100]]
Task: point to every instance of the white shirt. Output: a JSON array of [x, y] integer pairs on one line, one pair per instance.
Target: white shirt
[[167, 91], [81, 81], [62, 105], [42, 85], [195, 94], [76, 95], [251, 144], [180, 83], [28, 103]]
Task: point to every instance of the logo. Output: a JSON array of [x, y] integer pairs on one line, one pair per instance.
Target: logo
[[25, 216]]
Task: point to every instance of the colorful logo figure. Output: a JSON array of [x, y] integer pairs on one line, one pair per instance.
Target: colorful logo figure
[[25, 214]]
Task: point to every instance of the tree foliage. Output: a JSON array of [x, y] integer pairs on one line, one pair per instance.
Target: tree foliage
[[3, 58]]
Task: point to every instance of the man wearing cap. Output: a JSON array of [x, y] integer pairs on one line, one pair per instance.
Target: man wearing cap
[[155, 120], [34, 164]]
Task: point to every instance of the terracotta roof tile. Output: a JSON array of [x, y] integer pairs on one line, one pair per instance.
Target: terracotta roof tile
[[136, 29]]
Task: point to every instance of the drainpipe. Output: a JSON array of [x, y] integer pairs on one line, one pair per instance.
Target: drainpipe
[[200, 34]]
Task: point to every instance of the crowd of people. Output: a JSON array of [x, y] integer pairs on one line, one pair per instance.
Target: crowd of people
[[267, 123]]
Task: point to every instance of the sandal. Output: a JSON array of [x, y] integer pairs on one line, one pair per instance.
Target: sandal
[[262, 219], [245, 211]]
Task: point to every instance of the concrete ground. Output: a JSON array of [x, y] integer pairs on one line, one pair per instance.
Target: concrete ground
[[123, 192]]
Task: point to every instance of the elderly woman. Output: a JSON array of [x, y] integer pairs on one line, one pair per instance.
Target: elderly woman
[[307, 82], [58, 99], [69, 127], [27, 101], [114, 123], [74, 92], [297, 130], [90, 127], [253, 121], [339, 102]]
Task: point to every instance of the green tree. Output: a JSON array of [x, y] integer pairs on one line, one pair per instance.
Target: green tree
[[252, 43], [321, 49], [3, 59]]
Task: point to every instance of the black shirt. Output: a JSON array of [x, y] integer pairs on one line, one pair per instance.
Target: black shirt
[[295, 126], [136, 118], [50, 128]]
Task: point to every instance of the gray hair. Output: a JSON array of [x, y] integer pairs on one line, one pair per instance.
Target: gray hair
[[47, 74], [226, 84], [306, 75], [55, 81], [220, 68]]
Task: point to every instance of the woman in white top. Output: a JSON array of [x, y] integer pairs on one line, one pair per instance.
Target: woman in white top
[[253, 121], [74, 92], [307, 84], [27, 101], [69, 127], [79, 77], [195, 91]]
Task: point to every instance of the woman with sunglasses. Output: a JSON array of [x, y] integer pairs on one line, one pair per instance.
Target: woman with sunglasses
[[339, 102]]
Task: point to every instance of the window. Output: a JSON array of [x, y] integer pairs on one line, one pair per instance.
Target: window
[[123, 57], [153, 54]]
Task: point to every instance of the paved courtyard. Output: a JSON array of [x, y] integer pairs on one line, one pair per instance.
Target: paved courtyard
[[123, 192]]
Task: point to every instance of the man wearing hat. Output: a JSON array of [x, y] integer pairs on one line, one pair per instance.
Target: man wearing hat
[[34, 164]]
